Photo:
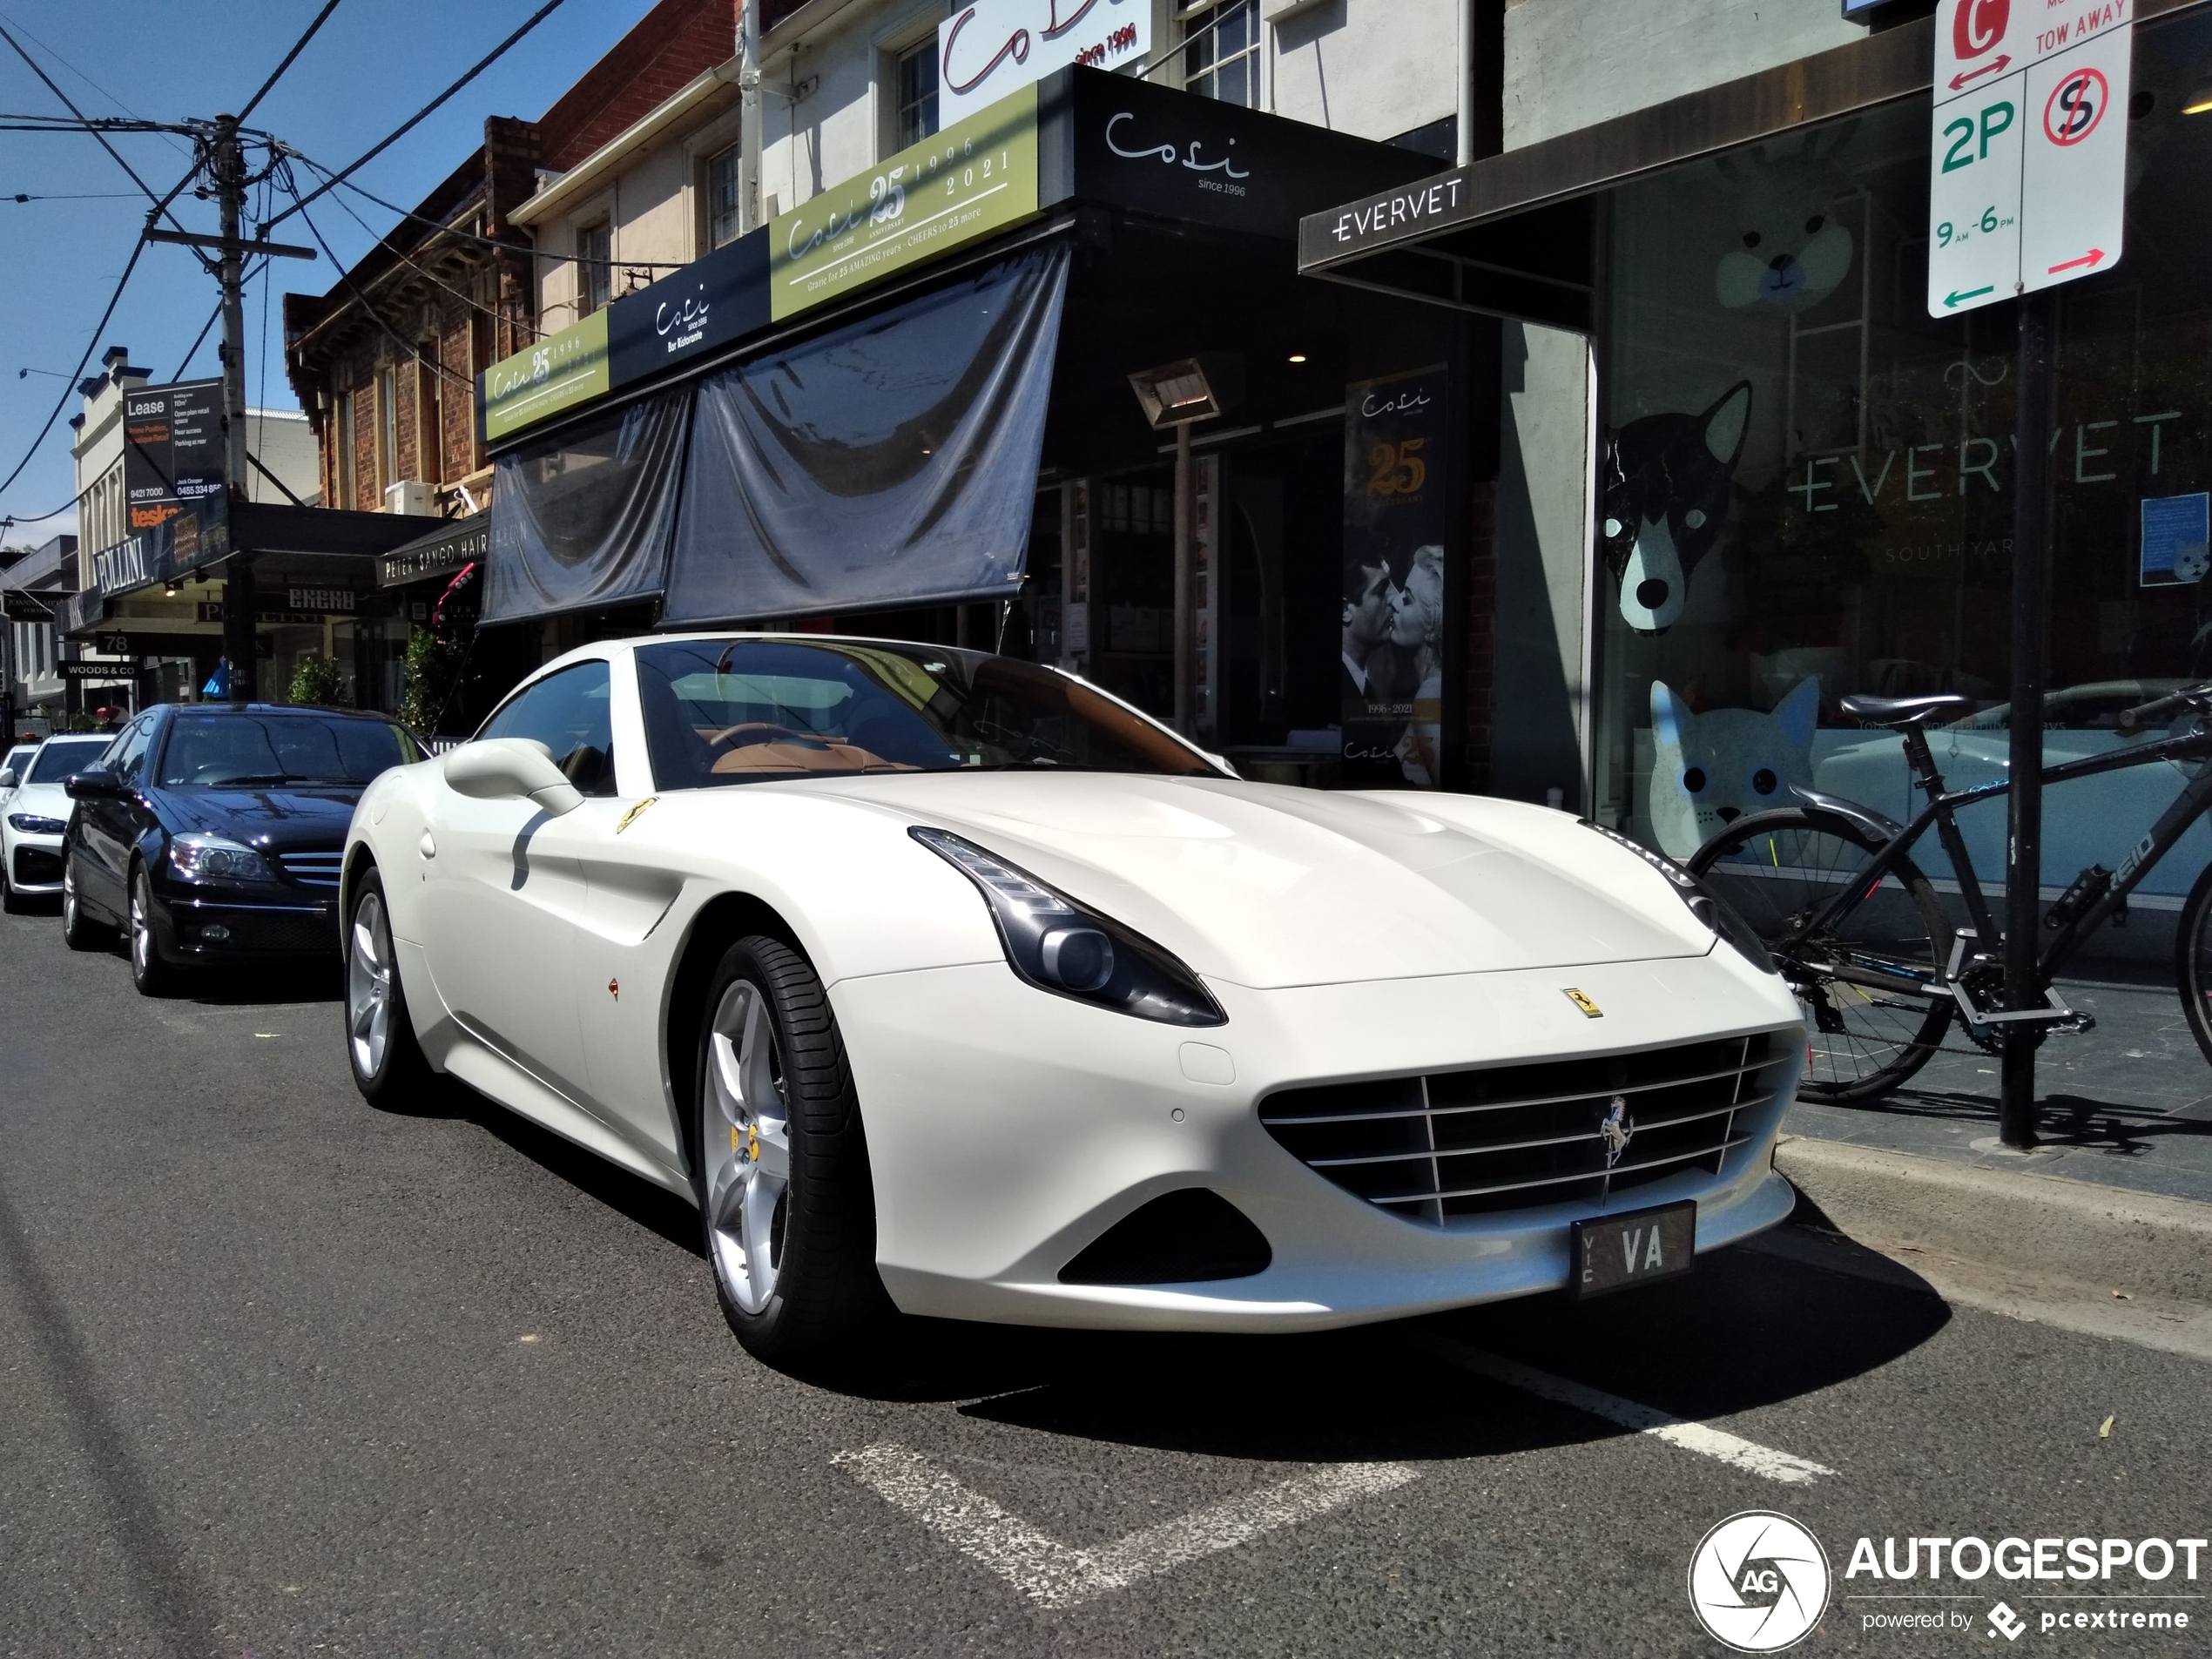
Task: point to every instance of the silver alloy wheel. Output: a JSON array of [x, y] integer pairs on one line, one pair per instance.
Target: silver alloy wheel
[[141, 927], [748, 1177], [368, 986], [69, 895]]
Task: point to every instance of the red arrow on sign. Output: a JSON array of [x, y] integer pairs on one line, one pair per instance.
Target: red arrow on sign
[[1989, 68], [2090, 257]]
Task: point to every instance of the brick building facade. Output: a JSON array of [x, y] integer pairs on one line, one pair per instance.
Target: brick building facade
[[385, 362]]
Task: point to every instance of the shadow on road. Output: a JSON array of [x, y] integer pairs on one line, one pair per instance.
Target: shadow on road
[[1747, 1329]]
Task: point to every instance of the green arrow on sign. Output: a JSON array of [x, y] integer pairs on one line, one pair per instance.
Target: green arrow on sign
[[1970, 294]]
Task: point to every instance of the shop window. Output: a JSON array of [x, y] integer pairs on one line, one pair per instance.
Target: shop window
[[595, 267], [1221, 52], [722, 198], [1808, 485], [914, 94]]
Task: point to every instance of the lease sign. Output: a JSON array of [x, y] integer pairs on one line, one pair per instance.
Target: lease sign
[[2027, 165]]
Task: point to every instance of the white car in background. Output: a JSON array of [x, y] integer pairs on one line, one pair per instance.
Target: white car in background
[[35, 813], [13, 765], [948, 979]]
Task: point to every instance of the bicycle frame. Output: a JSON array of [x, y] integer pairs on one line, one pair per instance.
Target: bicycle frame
[[1940, 815]]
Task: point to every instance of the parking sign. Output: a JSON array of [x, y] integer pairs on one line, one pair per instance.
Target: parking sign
[[2028, 161]]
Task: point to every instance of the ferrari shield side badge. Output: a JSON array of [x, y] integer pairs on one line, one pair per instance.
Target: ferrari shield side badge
[[632, 815], [1584, 1003]]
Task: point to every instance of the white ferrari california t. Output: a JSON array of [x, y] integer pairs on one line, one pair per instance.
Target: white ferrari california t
[[947, 980]]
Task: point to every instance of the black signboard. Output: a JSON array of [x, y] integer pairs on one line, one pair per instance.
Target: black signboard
[[690, 313], [441, 553], [1170, 152], [173, 485], [17, 605], [121, 673]]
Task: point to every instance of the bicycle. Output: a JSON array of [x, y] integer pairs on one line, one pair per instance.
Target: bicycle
[[1862, 937]]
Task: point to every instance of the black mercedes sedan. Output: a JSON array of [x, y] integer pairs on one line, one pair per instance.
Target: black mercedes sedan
[[212, 833]]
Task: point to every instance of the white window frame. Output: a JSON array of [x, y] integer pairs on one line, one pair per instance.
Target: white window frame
[[891, 43]]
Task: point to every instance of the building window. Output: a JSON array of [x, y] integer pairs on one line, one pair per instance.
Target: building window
[[595, 247], [388, 429], [429, 414], [722, 198], [1221, 52], [914, 89], [342, 459]]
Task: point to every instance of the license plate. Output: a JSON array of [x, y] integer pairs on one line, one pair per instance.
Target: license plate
[[1612, 1252]]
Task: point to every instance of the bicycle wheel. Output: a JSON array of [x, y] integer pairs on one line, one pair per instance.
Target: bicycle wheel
[[1866, 980], [2193, 960]]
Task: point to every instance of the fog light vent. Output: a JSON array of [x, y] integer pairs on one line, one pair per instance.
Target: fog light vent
[[215, 933], [1178, 1239]]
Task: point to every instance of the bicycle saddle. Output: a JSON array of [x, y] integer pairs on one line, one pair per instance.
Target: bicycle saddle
[[1903, 710]]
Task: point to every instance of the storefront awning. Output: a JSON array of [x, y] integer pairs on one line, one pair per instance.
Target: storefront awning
[[443, 553], [1513, 235]]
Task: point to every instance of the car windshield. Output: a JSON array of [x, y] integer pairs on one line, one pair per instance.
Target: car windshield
[[65, 756], [252, 750], [743, 711], [19, 760]]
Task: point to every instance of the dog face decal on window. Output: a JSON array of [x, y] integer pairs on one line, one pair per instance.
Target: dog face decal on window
[[1666, 479]]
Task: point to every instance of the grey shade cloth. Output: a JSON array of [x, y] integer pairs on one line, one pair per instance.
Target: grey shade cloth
[[582, 520], [890, 462]]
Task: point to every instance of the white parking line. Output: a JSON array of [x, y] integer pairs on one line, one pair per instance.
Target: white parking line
[[1052, 1574], [1701, 1438]]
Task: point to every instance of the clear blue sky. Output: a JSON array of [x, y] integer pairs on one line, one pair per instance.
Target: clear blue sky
[[373, 64]]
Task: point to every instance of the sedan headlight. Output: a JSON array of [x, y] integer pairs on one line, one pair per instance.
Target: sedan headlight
[[1059, 945], [1704, 903], [32, 824], [216, 857]]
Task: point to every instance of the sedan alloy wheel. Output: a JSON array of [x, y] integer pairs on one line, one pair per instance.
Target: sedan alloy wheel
[[149, 972], [748, 1147], [368, 986]]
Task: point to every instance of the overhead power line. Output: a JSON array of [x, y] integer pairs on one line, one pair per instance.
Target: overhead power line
[[421, 115], [407, 345], [161, 203], [470, 236], [90, 344], [297, 46]]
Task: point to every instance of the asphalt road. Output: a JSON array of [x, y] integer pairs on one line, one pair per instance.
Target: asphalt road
[[280, 1374]]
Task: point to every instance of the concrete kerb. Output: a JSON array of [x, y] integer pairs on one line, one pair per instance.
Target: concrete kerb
[[2135, 1267]]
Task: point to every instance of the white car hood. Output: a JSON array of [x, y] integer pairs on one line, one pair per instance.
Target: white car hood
[[1269, 887], [45, 801]]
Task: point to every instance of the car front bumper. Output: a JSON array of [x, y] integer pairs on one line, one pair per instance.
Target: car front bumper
[[34, 862], [1007, 1128], [194, 928]]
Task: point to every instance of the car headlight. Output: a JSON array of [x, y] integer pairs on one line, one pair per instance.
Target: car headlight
[[1059, 945], [216, 857], [1704, 903], [32, 824]]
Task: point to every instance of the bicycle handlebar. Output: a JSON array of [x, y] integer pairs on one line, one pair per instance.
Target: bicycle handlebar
[[2195, 697]]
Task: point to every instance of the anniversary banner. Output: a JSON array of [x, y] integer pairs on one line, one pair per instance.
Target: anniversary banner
[[1397, 502]]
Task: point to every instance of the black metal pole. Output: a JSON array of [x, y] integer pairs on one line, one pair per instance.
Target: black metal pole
[[2030, 613]]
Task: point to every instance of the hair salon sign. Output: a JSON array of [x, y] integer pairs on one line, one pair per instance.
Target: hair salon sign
[[988, 48]]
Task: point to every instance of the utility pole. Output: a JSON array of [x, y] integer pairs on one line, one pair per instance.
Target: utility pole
[[228, 162], [2031, 611]]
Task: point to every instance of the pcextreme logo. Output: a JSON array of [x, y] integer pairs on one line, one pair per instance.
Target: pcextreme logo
[[1759, 1582]]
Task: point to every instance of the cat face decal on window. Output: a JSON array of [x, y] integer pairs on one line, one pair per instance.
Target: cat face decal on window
[[1666, 480], [1709, 770]]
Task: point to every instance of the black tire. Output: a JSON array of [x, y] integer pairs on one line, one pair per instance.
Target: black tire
[[152, 976], [11, 902], [79, 931], [1776, 869], [390, 1071], [2193, 960], [823, 1289]]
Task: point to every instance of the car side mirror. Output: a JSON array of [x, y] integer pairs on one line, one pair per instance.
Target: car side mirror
[[8, 778], [512, 769], [99, 784]]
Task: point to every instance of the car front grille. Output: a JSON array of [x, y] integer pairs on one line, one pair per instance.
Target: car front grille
[[314, 869], [1460, 1144]]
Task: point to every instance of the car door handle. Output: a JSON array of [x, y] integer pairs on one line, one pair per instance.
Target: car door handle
[[428, 848]]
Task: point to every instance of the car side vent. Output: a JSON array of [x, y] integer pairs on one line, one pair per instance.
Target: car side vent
[[1178, 1239]]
